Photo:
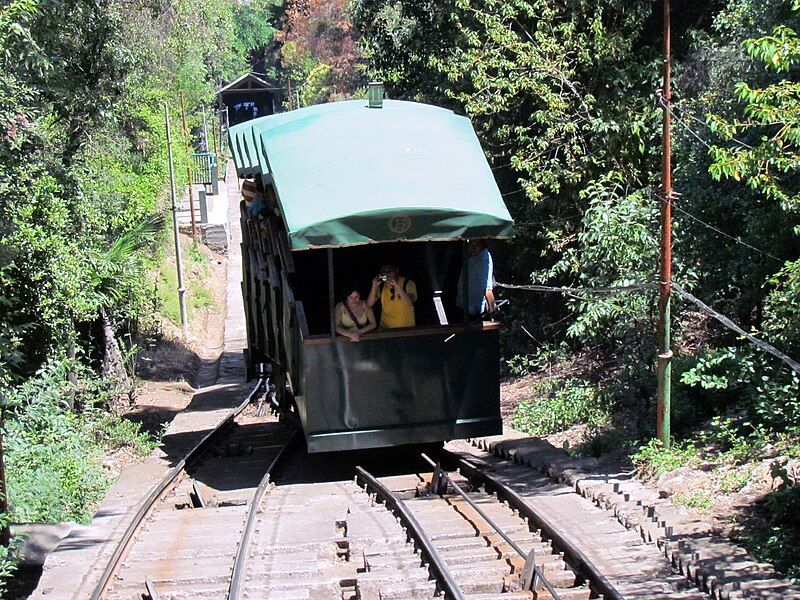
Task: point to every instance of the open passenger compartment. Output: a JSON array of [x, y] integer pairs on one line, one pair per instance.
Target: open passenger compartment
[[405, 185]]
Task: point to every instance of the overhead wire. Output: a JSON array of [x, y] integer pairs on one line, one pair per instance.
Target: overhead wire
[[696, 135], [574, 291], [717, 229], [651, 285], [770, 349]]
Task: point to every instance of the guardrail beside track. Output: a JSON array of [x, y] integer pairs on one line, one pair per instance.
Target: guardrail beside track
[[147, 504]]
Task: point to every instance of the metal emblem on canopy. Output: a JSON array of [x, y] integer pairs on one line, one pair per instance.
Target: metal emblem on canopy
[[400, 223]]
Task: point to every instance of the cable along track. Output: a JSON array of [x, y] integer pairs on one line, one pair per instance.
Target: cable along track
[[185, 534]]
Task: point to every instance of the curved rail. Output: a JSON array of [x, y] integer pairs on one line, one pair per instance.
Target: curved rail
[[582, 565], [147, 504], [237, 577], [435, 562]]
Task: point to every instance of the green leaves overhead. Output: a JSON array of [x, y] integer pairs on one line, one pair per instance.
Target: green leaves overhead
[[770, 160]]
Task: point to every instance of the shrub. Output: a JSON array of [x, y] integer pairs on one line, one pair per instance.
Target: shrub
[[774, 535], [527, 364], [653, 459], [556, 405], [7, 563], [53, 454], [735, 444]]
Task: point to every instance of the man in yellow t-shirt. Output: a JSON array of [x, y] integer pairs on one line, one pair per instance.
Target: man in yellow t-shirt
[[396, 295]]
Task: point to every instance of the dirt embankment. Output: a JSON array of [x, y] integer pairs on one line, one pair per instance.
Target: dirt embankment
[[169, 369]]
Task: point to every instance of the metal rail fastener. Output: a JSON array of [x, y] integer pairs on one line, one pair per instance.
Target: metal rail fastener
[[147, 504], [532, 575], [238, 574], [577, 560], [436, 564]]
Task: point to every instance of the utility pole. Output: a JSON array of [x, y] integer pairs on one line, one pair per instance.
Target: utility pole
[[188, 166], [665, 268], [178, 262]]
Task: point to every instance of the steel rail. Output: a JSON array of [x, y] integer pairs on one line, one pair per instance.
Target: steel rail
[[237, 576], [575, 557], [435, 563], [147, 504], [536, 570]]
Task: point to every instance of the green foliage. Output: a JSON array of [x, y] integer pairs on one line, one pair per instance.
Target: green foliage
[[38, 427], [82, 181], [782, 310], [617, 246], [734, 444], [531, 363], [114, 433], [257, 22], [773, 534], [7, 562], [53, 453], [698, 499], [772, 116], [556, 405], [733, 481], [710, 372], [196, 269], [768, 393], [653, 459]]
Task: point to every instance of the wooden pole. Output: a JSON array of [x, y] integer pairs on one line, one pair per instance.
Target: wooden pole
[[178, 262], [188, 166], [214, 138], [665, 270]]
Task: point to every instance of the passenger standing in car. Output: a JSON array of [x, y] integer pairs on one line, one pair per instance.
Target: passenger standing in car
[[396, 295], [481, 280]]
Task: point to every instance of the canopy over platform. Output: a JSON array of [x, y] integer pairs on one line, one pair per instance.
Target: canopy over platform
[[346, 174]]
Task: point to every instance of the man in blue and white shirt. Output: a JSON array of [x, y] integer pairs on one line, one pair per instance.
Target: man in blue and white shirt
[[481, 280]]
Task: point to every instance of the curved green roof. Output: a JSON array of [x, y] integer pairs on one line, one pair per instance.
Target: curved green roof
[[345, 174]]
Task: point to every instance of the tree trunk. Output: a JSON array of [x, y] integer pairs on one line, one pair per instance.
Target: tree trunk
[[72, 376], [112, 364], [5, 531]]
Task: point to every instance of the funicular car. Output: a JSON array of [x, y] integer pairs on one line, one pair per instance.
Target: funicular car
[[332, 192]]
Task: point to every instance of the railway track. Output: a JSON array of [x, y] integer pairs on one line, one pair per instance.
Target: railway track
[[186, 533], [479, 544], [378, 525], [319, 533]]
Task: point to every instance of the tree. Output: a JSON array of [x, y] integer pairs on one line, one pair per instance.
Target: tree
[[257, 25], [320, 50]]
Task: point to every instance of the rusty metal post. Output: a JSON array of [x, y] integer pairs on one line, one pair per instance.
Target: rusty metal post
[[214, 138], [665, 268], [188, 166]]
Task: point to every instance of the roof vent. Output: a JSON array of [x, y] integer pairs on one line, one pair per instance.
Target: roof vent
[[375, 94]]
